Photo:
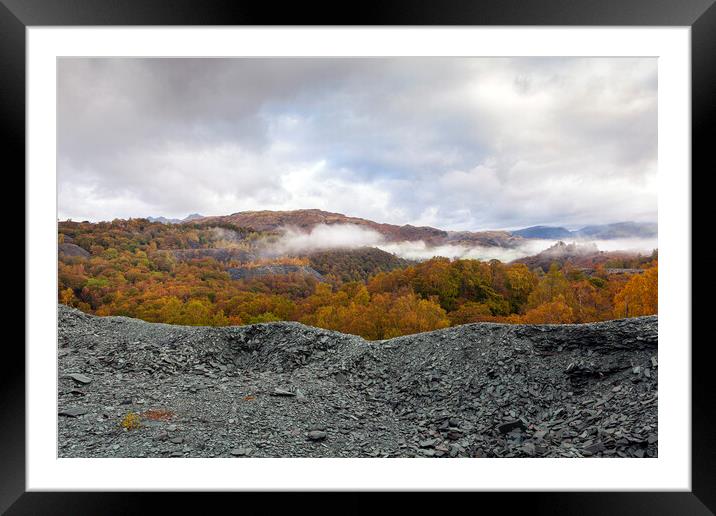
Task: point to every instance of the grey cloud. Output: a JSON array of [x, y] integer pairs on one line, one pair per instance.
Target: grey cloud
[[468, 143]]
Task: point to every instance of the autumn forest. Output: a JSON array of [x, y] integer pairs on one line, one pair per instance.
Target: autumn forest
[[202, 274]]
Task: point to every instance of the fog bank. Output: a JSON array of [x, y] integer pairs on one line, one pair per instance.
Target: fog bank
[[325, 237], [348, 236]]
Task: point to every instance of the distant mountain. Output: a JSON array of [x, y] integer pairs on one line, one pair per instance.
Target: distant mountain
[[620, 230], [164, 220], [546, 232], [596, 232], [269, 221]]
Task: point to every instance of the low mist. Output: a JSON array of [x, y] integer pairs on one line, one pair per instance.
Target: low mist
[[226, 235], [348, 236], [419, 250], [324, 237], [637, 245]]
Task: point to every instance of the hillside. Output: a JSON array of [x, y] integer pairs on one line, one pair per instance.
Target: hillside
[[561, 253], [584, 256], [306, 220], [289, 390], [355, 264]]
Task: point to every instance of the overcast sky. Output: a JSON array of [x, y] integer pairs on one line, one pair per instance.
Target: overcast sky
[[456, 143]]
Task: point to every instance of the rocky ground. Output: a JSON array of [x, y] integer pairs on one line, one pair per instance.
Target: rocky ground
[[288, 390]]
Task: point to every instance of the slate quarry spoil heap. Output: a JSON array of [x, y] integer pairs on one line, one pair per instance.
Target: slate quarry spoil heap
[[289, 390]]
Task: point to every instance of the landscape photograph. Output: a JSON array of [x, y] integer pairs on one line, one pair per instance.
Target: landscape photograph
[[428, 257]]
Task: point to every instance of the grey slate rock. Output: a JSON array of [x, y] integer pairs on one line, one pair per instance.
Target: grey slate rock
[[316, 435], [450, 390], [283, 392], [73, 412], [79, 378], [510, 426]]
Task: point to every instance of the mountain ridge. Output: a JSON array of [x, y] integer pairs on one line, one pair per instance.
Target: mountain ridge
[[594, 231], [307, 219]]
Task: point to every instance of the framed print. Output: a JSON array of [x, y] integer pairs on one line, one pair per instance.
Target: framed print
[[413, 250]]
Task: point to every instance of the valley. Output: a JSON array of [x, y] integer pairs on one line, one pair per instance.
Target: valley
[[334, 272]]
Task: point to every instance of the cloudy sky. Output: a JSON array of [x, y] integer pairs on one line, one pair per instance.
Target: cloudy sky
[[456, 143]]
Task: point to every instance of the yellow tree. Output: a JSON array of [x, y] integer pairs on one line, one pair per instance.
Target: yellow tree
[[552, 312], [437, 277], [550, 287], [67, 296], [470, 312], [411, 314], [584, 301], [520, 281], [196, 312], [170, 311], [640, 295]]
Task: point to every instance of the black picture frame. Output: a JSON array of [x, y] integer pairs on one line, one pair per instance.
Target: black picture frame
[[700, 15]]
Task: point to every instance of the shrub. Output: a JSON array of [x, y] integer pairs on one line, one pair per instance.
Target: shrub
[[131, 421]]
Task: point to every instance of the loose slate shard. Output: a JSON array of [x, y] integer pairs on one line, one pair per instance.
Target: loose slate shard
[[283, 392], [73, 412], [79, 378], [509, 426], [317, 435], [594, 448]]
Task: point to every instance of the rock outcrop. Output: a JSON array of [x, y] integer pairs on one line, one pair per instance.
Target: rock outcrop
[[70, 249], [288, 390], [247, 273]]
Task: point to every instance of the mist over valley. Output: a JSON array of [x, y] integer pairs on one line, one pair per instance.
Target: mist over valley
[[302, 232]]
